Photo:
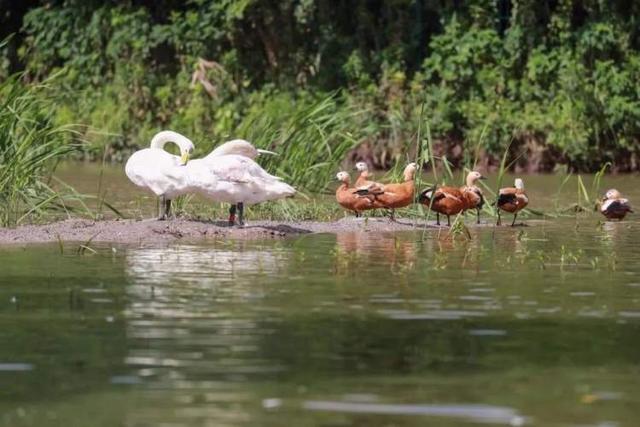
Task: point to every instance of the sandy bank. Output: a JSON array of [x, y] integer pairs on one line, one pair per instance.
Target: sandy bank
[[154, 231]]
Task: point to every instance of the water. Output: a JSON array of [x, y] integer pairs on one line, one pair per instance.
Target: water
[[548, 193], [528, 326]]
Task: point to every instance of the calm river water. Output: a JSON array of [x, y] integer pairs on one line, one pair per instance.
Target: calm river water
[[534, 325]]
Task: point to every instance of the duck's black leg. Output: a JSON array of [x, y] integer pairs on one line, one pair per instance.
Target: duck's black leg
[[232, 215], [358, 214], [448, 221], [515, 215], [499, 221], [437, 218], [392, 215], [241, 214], [478, 217]]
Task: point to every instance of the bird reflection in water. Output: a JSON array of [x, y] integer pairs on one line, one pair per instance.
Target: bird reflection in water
[[397, 251], [195, 330]]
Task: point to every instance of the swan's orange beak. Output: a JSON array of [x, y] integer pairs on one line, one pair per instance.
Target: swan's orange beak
[[184, 158]]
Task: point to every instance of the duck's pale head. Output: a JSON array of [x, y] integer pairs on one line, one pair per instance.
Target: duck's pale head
[[362, 167], [519, 184], [612, 194], [343, 177], [472, 177], [410, 171]]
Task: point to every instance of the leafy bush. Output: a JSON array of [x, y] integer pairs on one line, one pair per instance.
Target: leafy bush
[[554, 82]]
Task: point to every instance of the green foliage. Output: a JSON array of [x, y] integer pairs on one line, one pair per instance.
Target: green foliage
[[551, 82], [29, 146]]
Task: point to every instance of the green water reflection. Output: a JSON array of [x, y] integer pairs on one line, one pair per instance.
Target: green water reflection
[[530, 326]]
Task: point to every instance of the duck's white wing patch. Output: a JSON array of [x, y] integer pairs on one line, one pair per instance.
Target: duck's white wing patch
[[606, 205]]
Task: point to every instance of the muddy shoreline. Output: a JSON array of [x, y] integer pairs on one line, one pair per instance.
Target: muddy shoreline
[[153, 231]]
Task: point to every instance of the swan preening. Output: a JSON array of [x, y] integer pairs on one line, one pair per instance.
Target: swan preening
[[228, 174], [159, 171]]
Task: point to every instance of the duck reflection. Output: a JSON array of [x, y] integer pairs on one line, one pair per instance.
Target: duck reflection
[[396, 251], [391, 247]]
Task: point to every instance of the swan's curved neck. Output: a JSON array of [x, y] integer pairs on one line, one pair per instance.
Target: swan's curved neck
[[161, 138]]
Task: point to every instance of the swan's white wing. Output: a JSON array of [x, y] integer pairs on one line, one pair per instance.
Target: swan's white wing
[[157, 171], [234, 179], [238, 147], [235, 168]]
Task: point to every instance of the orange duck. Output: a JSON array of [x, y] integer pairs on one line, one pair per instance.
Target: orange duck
[[472, 194], [444, 200], [614, 206], [394, 196], [347, 198], [512, 200], [364, 180]]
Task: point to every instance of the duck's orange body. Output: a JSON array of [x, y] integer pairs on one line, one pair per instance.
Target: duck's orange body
[[512, 200], [399, 195], [472, 195], [444, 200], [393, 196], [347, 198], [364, 180]]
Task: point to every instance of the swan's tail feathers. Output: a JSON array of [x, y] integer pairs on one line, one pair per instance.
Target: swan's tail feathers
[[279, 190]]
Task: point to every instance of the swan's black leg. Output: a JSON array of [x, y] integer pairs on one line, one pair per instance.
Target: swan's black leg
[[165, 206], [241, 214], [232, 215], [515, 215]]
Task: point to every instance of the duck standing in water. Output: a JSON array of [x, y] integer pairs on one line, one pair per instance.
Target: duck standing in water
[[614, 206], [396, 195], [512, 200], [472, 194], [444, 200], [347, 198]]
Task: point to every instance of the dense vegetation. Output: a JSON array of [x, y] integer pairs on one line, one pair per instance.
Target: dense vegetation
[[554, 82]]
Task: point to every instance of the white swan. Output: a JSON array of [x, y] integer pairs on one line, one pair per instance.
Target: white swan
[[235, 179], [159, 171], [241, 148]]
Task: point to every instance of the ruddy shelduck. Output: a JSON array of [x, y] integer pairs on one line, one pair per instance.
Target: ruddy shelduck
[[512, 200], [444, 200], [365, 181], [472, 194], [396, 195], [347, 198], [614, 206]]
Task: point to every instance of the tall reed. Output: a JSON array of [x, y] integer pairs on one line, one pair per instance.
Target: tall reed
[[30, 146], [311, 139]]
